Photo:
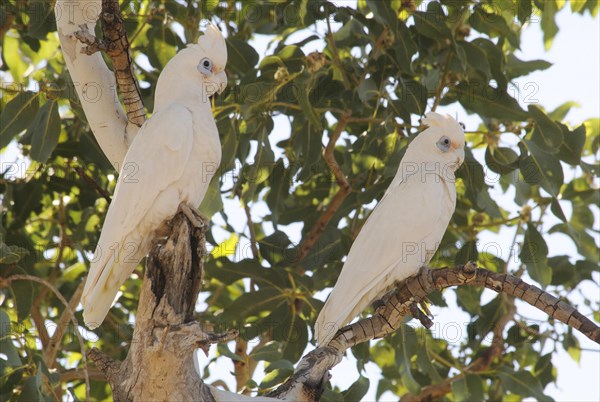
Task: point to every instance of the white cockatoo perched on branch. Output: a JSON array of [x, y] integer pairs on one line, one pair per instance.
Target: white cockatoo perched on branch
[[171, 160], [405, 228]]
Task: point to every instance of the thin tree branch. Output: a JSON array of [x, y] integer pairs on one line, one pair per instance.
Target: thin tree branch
[[442, 83], [397, 304], [55, 342], [93, 183], [241, 367], [18, 277], [253, 242], [336, 57], [116, 45], [79, 374], [319, 226]]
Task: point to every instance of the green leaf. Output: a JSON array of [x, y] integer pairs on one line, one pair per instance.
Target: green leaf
[[162, 46], [586, 244], [17, 115], [432, 23], [477, 58], [291, 57], [471, 172], [226, 248], [487, 101], [546, 133], [404, 47], [352, 33], [45, 130], [23, 294], [41, 19], [275, 248], [469, 298], [270, 352], [357, 390], [560, 112], [251, 304], [383, 12], [522, 383], [293, 331], [212, 201], [492, 25], [571, 148], [11, 254], [542, 169], [241, 57], [304, 86], [223, 350], [6, 344], [468, 388], [367, 90], [407, 347], [468, 252], [412, 98], [32, 389], [276, 373], [518, 68], [501, 160], [229, 272], [534, 254], [279, 189], [425, 360], [495, 56], [524, 10], [548, 24], [261, 169]]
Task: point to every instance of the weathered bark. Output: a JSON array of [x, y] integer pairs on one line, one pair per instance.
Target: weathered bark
[[160, 362]]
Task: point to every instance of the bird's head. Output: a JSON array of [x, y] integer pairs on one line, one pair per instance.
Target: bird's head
[[211, 57], [198, 69], [442, 141]]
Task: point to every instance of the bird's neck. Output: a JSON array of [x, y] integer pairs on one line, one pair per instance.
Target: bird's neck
[[172, 88], [424, 168]]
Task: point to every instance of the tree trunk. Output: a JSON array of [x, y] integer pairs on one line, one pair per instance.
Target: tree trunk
[[160, 362]]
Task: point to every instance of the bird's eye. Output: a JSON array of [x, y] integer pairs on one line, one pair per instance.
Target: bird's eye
[[444, 144], [205, 66]]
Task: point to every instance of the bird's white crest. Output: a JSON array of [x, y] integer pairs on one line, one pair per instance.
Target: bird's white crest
[[405, 228], [171, 160], [213, 42]]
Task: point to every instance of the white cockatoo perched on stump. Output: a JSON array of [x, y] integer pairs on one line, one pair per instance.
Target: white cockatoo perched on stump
[[171, 160], [404, 230]]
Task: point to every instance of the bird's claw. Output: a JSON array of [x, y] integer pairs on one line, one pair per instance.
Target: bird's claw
[[192, 215]]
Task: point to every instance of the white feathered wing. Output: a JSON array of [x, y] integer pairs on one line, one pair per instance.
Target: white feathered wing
[[149, 190], [400, 235]]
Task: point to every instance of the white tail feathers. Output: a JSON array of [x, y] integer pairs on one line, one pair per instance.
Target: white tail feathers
[[335, 315], [102, 285]]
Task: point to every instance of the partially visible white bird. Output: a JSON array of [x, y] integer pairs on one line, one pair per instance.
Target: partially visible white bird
[[171, 160], [405, 228]]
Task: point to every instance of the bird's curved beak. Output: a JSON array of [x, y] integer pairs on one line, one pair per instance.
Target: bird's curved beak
[[221, 81], [460, 152]]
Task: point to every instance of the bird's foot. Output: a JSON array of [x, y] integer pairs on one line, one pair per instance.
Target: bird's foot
[[93, 44], [416, 312], [193, 216]]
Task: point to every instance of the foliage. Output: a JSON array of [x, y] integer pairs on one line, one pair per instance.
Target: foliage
[[382, 65]]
